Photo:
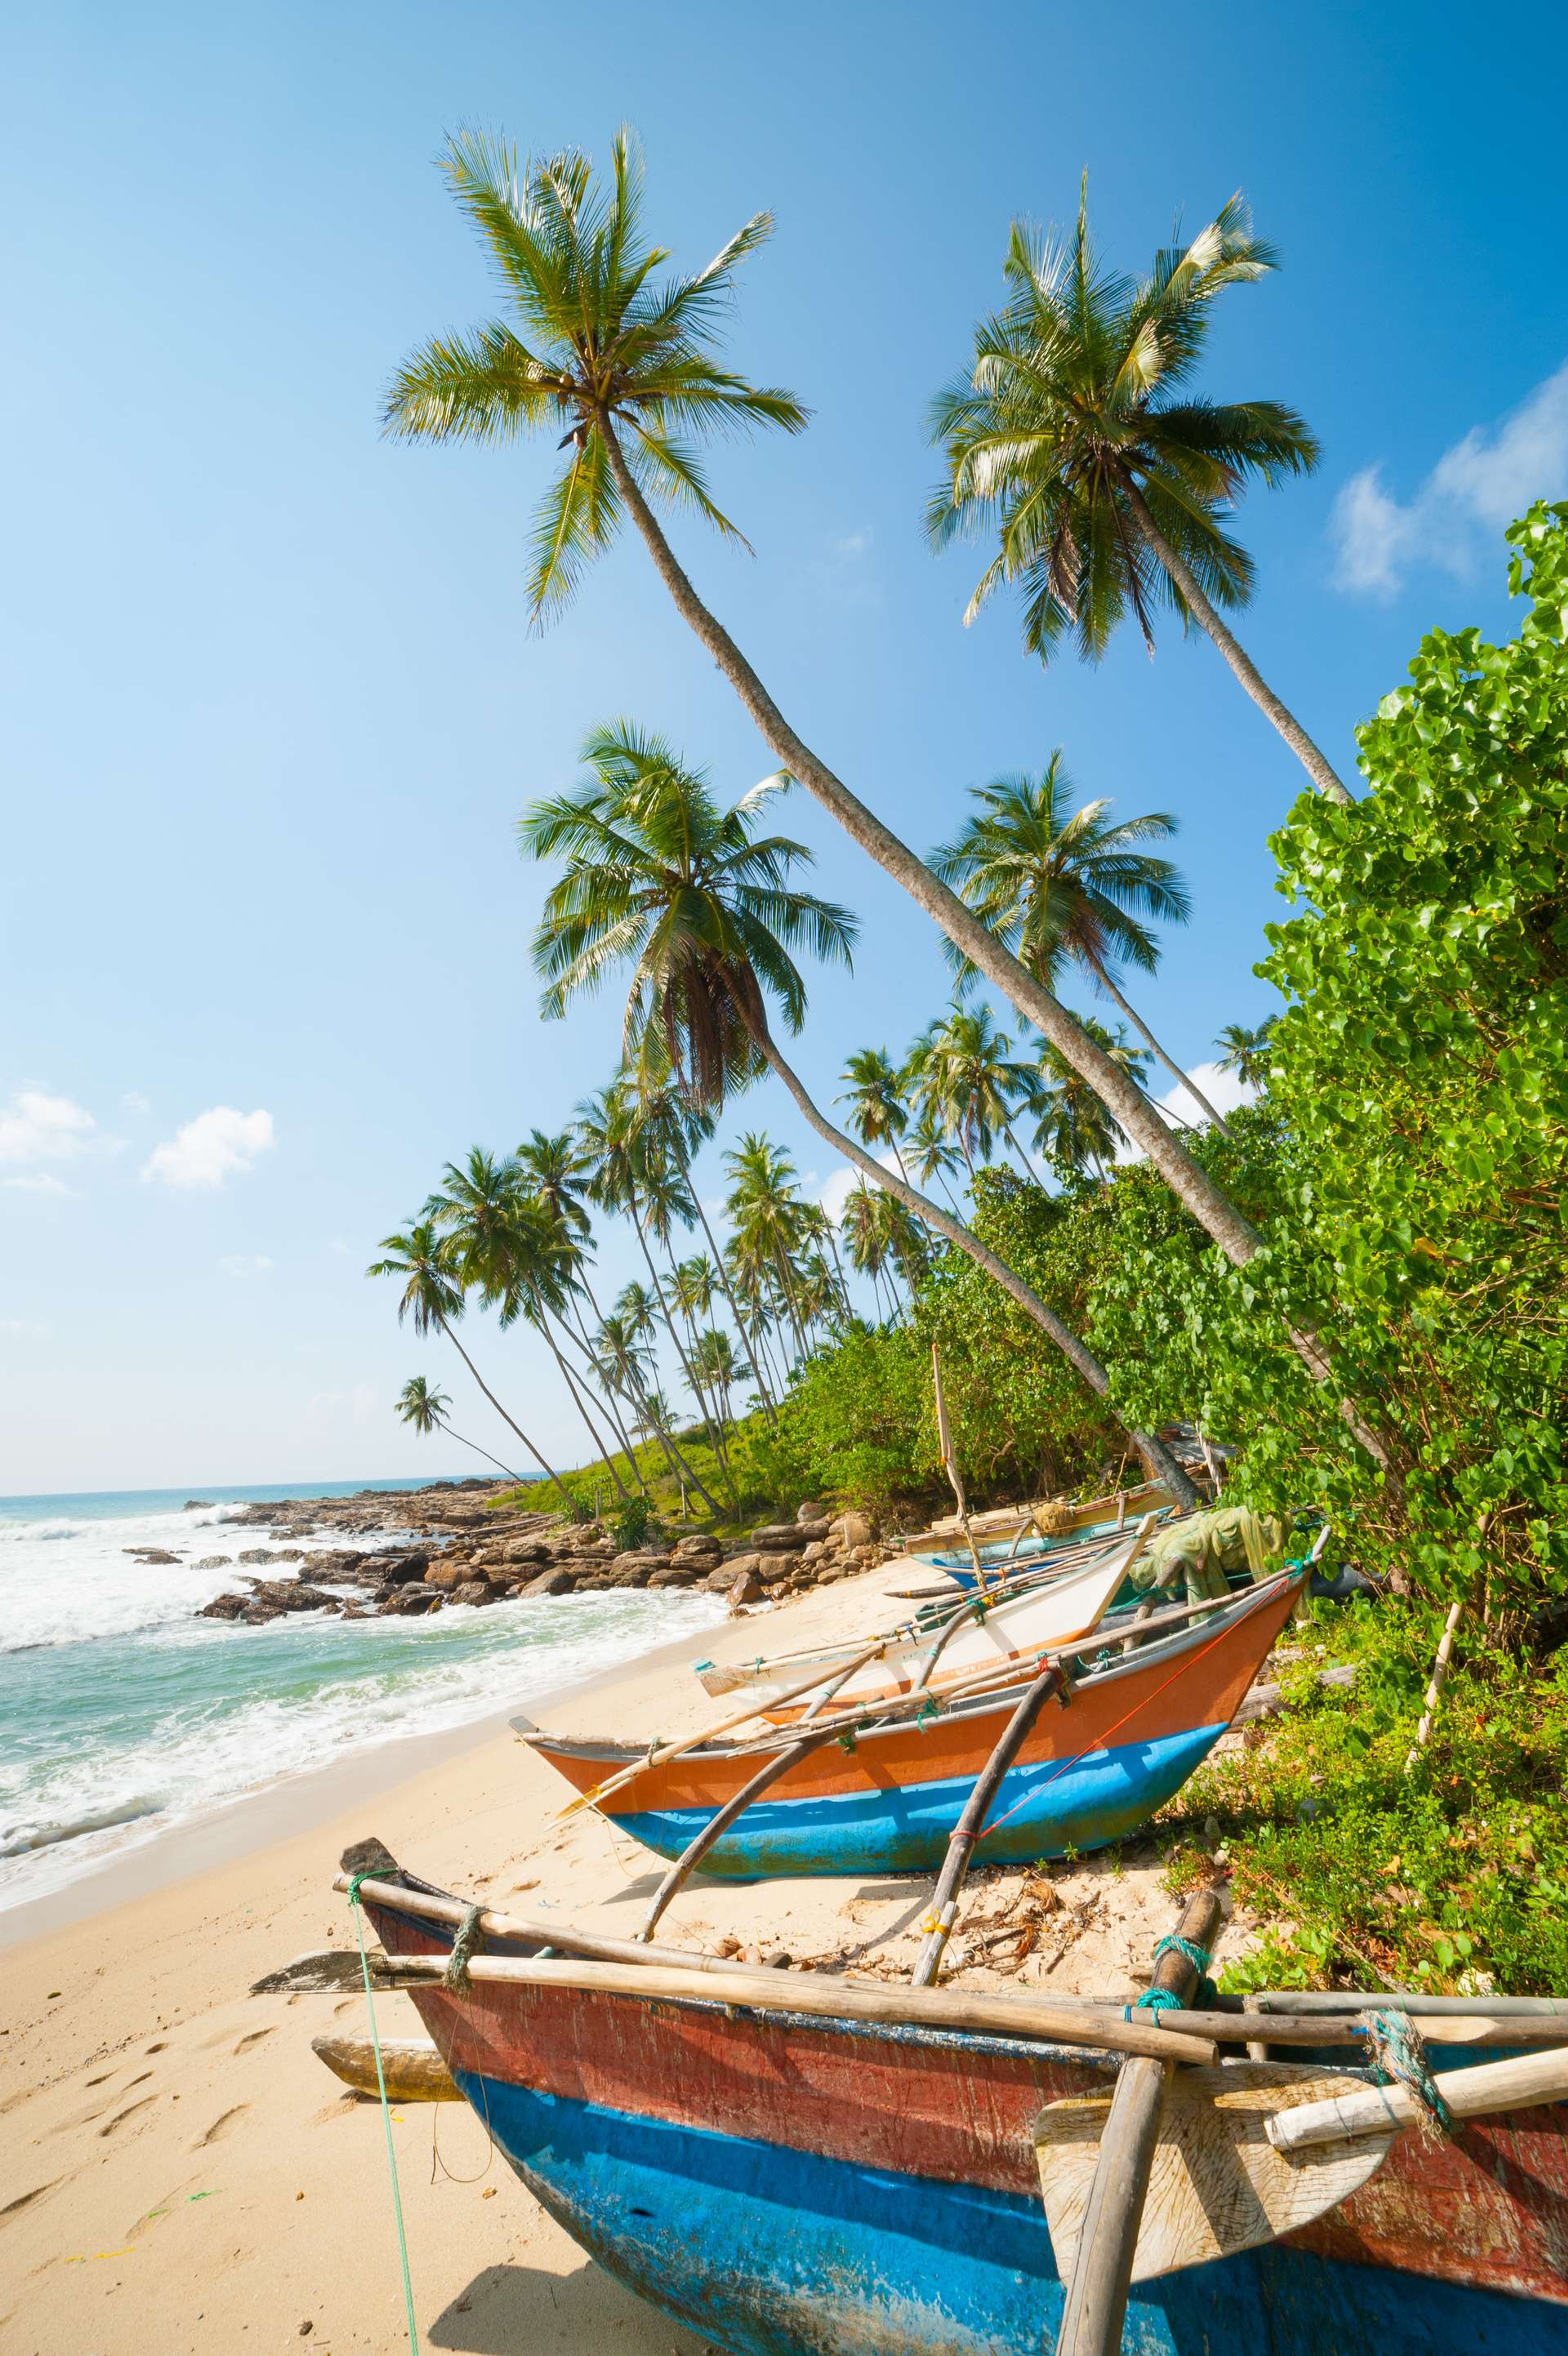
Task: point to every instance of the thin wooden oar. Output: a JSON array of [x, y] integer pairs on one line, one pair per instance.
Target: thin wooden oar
[[966, 1832], [411, 2067], [1522, 2008], [1512, 2085], [691, 1856], [1349, 2029], [656, 1758], [1096, 2302], [1217, 2184], [823, 1997], [496, 1925]]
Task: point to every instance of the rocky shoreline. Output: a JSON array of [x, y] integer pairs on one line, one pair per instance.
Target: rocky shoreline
[[449, 1546]]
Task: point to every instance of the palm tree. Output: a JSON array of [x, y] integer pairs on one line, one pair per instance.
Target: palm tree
[[1073, 436], [604, 352], [1060, 884], [931, 1152], [876, 1108], [1075, 1132], [705, 909], [866, 1238], [962, 1068], [517, 1253], [721, 1365], [432, 1297], [765, 1217], [426, 1410], [1248, 1053]]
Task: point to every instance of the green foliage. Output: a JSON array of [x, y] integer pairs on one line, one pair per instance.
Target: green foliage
[[633, 1524], [1367, 1874]]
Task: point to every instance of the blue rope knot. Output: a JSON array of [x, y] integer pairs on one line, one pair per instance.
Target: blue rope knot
[[1397, 2054], [469, 1938], [1205, 1995]]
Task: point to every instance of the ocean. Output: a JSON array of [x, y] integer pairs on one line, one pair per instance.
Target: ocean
[[122, 1715]]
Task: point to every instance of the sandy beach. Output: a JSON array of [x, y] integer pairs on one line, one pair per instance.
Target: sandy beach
[[179, 2173]]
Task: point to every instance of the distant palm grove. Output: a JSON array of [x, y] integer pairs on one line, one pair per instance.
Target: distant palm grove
[[1354, 1278]]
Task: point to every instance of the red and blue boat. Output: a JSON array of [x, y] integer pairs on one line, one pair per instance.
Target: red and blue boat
[[788, 2185], [886, 1798]]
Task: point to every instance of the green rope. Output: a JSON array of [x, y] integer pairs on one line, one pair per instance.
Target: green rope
[[354, 1881], [468, 1937], [929, 1709], [1398, 2053], [1158, 2000]]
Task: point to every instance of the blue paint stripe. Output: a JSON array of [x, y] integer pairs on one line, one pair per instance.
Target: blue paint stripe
[[771, 2252], [1041, 1810]]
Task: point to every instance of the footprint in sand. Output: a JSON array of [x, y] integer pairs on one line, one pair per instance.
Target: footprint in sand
[[254, 2037], [129, 2111], [158, 2048], [221, 2125], [26, 2199]]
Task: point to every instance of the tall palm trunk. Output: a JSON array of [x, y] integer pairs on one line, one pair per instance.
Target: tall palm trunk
[[669, 1328], [481, 1451], [770, 1411], [1313, 761], [541, 1319], [548, 1469], [1149, 1040], [1029, 1170], [1161, 1465], [1189, 1181], [604, 1389]]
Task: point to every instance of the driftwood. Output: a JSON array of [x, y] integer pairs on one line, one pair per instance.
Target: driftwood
[[1511, 2086], [411, 2067], [1096, 2304]]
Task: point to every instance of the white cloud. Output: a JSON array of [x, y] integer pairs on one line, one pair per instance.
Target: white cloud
[[35, 1127], [842, 1183], [40, 1182], [135, 1101], [1224, 1092], [359, 1403], [216, 1145], [1482, 483], [244, 1263]]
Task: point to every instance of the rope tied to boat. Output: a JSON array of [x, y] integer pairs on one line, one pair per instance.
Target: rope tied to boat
[[354, 1908], [469, 1941], [1158, 2000], [1397, 2052], [929, 1709]]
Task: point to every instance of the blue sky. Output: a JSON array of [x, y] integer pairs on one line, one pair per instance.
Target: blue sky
[[271, 707]]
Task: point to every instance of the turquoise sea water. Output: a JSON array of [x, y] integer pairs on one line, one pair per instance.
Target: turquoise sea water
[[122, 1714]]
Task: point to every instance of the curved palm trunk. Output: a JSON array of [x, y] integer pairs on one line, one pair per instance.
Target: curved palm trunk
[[1149, 1040], [578, 1400], [769, 1410], [604, 1388], [669, 1328], [548, 1469], [1314, 762], [1161, 1465], [1189, 1181], [481, 1451], [1029, 1170]]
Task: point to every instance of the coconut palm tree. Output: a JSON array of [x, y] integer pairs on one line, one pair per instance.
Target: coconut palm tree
[[516, 1254], [1061, 887], [600, 351], [931, 1152], [963, 1067], [425, 1408], [877, 1110], [705, 909], [1074, 436], [433, 1298], [867, 1239], [1248, 1053], [1075, 1133], [722, 1367]]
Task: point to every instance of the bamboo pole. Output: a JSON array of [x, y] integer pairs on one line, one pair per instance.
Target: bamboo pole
[[825, 1998], [1516, 2084], [1096, 2302], [1439, 1679], [772, 1771], [950, 1464], [943, 1908]]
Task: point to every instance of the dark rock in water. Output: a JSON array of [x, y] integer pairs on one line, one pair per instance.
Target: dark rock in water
[[212, 1562], [721, 1577], [329, 1562], [223, 1607], [746, 1589], [153, 1554], [640, 1561], [397, 1569], [287, 1554], [408, 1603], [196, 1505], [270, 1598], [678, 1574], [256, 1554], [476, 1591]]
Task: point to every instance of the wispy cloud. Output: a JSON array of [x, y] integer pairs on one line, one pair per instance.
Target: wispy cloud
[[1224, 1092], [37, 1127], [134, 1101], [1482, 483], [244, 1263], [359, 1403], [216, 1145], [39, 1182], [842, 1184]]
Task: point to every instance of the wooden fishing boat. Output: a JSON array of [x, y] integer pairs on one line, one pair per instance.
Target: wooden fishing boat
[[1018, 1627], [1043, 1520], [787, 2183], [885, 1795]]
